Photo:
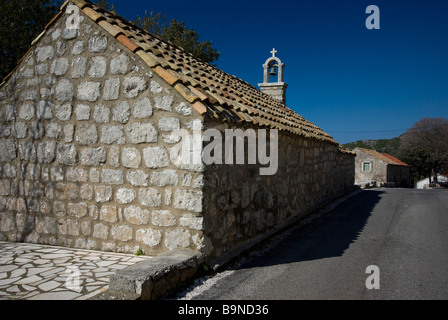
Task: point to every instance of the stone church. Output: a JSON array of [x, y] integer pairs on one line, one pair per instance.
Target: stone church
[[89, 123]]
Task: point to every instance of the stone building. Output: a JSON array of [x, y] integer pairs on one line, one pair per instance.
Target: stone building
[[89, 139], [373, 168]]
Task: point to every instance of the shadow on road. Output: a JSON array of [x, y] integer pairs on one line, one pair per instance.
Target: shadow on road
[[326, 236]]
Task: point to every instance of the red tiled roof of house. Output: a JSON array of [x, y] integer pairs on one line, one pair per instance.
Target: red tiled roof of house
[[212, 92], [383, 157], [395, 159]]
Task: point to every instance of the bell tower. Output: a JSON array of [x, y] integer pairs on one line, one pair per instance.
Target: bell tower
[[273, 67]]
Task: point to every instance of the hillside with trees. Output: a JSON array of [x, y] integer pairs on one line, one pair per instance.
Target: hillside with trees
[[389, 146]]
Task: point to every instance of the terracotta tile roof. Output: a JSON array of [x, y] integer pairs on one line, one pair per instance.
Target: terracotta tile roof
[[383, 157], [211, 91]]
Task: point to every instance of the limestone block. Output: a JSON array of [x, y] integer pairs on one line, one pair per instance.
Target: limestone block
[[183, 109], [155, 87], [26, 112], [150, 197], [89, 91], [86, 134], [137, 178], [125, 195], [164, 102], [86, 192], [46, 151], [111, 89], [66, 154], [36, 130], [98, 67], [97, 44], [188, 200], [164, 178], [56, 174], [122, 233], [109, 213], [79, 66], [63, 112], [163, 218], [59, 208], [121, 112], [86, 227], [94, 175], [46, 225], [76, 175], [150, 237], [110, 176], [44, 53], [69, 131], [191, 221], [169, 124], [141, 133], [54, 130], [5, 187], [78, 47], [59, 66], [66, 191], [44, 110], [119, 64], [61, 47], [82, 112], [101, 114], [178, 238], [156, 157], [114, 156], [78, 210], [69, 33], [136, 215], [134, 86], [19, 130], [93, 156], [103, 193], [41, 69], [100, 231], [142, 108], [131, 157], [112, 134], [64, 90]]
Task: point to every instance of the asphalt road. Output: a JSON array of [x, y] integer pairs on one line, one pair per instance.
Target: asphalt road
[[404, 232]]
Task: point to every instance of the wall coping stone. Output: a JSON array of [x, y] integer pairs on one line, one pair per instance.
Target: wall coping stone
[[156, 277]]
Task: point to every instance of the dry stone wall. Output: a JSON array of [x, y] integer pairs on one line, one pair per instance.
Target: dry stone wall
[[84, 149], [242, 204]]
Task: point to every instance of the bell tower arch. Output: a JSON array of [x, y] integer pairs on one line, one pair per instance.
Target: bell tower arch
[[274, 67]]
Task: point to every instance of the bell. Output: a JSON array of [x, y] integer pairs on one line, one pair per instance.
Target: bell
[[273, 71]]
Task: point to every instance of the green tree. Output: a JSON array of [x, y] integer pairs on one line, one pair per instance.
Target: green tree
[[174, 31], [105, 5], [177, 33], [21, 22], [425, 147]]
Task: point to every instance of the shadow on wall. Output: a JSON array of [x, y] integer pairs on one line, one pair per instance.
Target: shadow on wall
[[325, 237]]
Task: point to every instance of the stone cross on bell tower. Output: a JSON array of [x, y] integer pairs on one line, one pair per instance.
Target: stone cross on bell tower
[[274, 67]]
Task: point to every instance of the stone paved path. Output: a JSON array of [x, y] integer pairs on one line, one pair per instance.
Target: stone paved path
[[31, 271]]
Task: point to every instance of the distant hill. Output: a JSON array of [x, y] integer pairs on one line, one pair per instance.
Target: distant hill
[[389, 146]]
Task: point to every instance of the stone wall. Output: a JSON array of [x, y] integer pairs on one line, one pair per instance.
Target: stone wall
[[85, 138], [242, 204]]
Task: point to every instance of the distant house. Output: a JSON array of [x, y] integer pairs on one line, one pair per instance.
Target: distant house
[[380, 169], [442, 180]]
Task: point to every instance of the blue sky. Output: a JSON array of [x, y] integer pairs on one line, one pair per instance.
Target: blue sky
[[352, 82]]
